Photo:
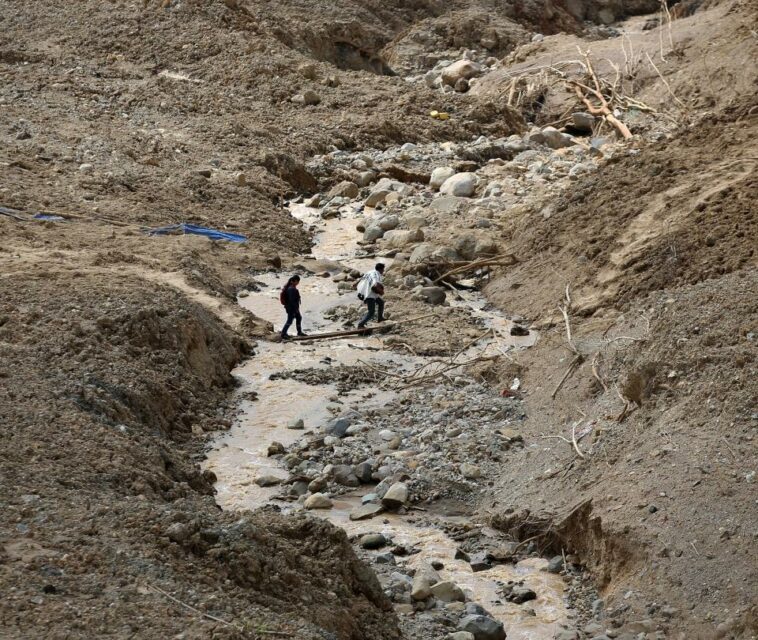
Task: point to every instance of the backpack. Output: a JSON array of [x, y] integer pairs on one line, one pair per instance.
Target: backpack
[[283, 295]]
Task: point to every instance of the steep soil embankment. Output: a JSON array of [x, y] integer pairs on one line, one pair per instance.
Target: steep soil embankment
[[658, 253], [104, 381]]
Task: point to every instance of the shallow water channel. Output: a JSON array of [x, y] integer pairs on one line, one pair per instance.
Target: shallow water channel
[[239, 456]]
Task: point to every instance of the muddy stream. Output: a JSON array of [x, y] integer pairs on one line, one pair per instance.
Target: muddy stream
[[239, 456]]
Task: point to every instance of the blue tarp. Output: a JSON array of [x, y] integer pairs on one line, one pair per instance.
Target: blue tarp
[[213, 234], [48, 216]]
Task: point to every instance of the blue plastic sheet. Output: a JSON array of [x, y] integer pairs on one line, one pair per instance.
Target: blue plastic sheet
[[48, 216], [213, 234]]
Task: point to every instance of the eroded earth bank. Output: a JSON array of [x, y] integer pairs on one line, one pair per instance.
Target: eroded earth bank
[[553, 436]]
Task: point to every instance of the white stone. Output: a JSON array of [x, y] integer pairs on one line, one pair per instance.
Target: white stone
[[318, 501], [461, 185], [439, 175]]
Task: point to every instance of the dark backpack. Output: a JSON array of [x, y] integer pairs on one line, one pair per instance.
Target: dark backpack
[[283, 295]]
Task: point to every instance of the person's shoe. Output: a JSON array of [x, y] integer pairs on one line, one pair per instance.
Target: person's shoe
[[302, 335], [361, 326], [285, 336], [380, 320]]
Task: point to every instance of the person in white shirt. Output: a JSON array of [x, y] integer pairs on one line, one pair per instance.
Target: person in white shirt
[[371, 290]]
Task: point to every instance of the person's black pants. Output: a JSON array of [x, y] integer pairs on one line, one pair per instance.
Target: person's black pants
[[293, 314], [373, 304]]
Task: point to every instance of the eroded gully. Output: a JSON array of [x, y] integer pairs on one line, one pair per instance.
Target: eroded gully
[[268, 406]]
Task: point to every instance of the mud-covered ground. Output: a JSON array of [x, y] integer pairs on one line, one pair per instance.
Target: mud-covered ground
[[116, 348]]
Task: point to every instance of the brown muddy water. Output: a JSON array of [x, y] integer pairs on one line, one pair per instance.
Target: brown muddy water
[[239, 456]]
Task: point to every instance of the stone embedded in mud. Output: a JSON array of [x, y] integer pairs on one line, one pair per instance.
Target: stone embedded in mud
[[555, 565], [366, 511], [343, 474], [268, 481], [462, 85], [470, 471], [583, 121], [520, 594], [482, 627], [318, 501], [386, 434], [373, 233], [461, 185], [375, 198], [309, 98], [296, 424], [448, 591], [179, 531], [461, 69], [373, 541], [556, 139], [396, 496], [275, 449]]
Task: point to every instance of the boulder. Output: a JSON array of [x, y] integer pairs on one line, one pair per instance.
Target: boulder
[[296, 424], [399, 238], [556, 139], [343, 474], [425, 577], [366, 511], [375, 198], [387, 223], [337, 427], [439, 175], [275, 449], [465, 69], [461, 185], [365, 178], [363, 472], [373, 541], [433, 295], [344, 189], [583, 121], [482, 627], [373, 233], [318, 501], [396, 496], [461, 635], [448, 591]]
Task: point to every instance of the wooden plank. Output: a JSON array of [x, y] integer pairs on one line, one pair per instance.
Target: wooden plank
[[354, 332]]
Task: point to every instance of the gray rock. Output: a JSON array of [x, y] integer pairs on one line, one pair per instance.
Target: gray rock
[[365, 178], [555, 565], [388, 223], [375, 198], [556, 139], [296, 424], [439, 175], [422, 583], [396, 496], [480, 562], [268, 481], [520, 594], [366, 511], [369, 497], [461, 635], [345, 189], [373, 233], [373, 541], [460, 69], [482, 627], [343, 474], [363, 472], [567, 635], [337, 427], [433, 295], [179, 531], [385, 558], [448, 591], [318, 501], [583, 121], [470, 471], [399, 238], [461, 185], [462, 86]]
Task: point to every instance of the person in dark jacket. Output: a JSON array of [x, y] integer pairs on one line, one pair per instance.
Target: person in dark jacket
[[290, 298]]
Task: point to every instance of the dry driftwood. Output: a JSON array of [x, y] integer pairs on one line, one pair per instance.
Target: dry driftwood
[[504, 260]]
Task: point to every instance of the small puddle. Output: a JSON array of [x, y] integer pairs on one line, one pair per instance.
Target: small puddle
[[240, 456]]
